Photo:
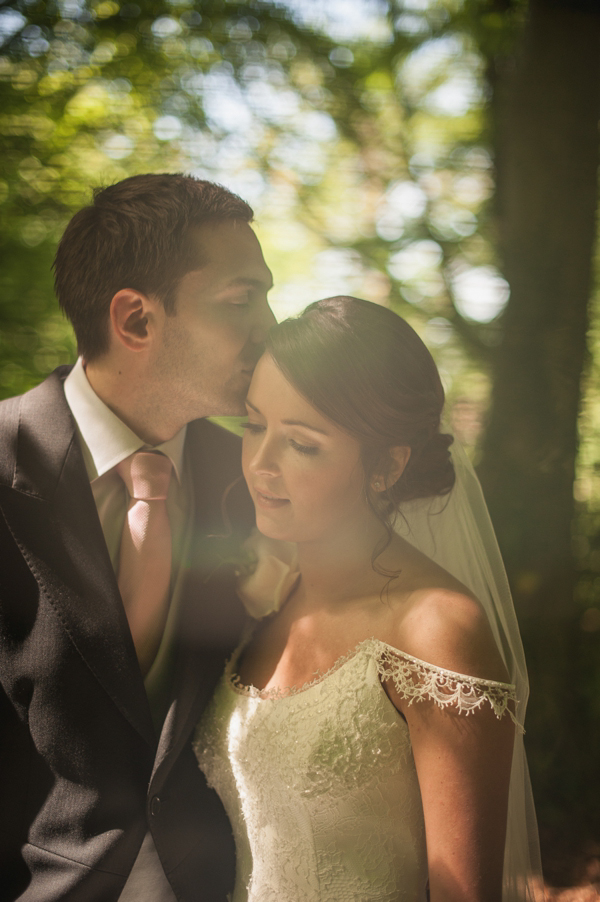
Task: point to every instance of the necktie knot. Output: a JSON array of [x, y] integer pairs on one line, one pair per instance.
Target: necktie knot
[[147, 475]]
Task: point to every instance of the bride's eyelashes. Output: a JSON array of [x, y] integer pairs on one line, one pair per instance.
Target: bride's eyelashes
[[304, 449], [253, 428], [257, 429]]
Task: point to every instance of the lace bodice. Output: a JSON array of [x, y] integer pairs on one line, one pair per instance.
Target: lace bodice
[[319, 782]]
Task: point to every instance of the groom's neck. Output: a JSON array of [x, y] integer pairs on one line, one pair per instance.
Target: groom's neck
[[132, 396]]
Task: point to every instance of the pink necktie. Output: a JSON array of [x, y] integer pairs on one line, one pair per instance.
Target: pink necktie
[[145, 561]]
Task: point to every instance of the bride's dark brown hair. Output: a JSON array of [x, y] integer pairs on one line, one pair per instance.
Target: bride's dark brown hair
[[367, 370]]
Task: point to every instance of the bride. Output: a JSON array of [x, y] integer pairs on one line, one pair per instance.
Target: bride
[[366, 738]]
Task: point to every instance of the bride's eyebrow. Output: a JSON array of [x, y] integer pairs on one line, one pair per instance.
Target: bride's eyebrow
[[290, 422], [255, 409], [306, 426]]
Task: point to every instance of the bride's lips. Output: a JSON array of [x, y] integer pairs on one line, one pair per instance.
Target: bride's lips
[[269, 501]]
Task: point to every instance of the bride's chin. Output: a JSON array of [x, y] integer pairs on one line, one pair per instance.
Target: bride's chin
[[272, 530]]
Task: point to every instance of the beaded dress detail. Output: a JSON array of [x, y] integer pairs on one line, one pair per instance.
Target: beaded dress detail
[[319, 782]]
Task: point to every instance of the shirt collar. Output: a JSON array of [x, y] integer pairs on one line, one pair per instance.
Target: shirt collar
[[106, 439]]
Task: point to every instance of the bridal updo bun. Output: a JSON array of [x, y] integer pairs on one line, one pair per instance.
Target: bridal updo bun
[[367, 370]]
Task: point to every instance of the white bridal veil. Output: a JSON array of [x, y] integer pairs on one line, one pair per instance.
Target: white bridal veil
[[457, 533]]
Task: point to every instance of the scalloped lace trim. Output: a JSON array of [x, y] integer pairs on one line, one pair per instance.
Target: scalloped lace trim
[[416, 681], [413, 679]]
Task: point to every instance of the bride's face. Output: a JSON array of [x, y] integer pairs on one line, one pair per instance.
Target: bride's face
[[304, 473]]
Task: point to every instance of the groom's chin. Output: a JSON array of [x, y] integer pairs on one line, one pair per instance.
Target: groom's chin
[[232, 407], [235, 397], [236, 407]]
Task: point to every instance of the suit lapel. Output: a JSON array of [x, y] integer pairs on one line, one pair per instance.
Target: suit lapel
[[55, 522], [211, 617]]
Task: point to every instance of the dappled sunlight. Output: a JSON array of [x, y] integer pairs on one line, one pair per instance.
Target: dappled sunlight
[[361, 133]]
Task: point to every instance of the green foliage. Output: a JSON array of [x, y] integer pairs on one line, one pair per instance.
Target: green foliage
[[347, 138], [364, 147], [363, 141]]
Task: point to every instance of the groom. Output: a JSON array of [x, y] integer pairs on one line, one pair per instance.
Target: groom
[[116, 613]]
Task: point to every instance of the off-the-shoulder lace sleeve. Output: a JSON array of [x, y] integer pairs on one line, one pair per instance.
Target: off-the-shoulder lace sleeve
[[416, 680]]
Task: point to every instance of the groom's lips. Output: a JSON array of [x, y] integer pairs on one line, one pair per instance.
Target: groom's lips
[[269, 501], [249, 365]]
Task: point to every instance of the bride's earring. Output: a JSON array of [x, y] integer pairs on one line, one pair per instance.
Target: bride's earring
[[377, 485]]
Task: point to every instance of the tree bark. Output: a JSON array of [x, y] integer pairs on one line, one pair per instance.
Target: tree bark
[[546, 107]]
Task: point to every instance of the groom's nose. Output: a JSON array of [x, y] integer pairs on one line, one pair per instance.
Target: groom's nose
[[263, 320]]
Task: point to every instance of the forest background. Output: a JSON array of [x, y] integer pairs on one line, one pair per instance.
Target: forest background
[[438, 156]]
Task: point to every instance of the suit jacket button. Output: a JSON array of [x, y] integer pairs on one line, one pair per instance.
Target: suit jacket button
[[155, 806]]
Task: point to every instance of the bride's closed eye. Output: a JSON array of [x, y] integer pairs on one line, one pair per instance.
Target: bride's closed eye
[[257, 428], [253, 428], [304, 449]]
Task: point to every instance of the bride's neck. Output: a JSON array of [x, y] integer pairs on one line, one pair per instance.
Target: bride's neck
[[341, 567]]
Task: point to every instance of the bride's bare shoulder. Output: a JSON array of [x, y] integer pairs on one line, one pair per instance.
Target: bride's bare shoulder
[[441, 623]]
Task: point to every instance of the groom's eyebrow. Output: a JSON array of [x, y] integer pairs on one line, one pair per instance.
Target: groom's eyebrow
[[252, 283], [289, 422]]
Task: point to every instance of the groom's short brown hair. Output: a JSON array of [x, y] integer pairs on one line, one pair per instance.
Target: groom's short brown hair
[[135, 234]]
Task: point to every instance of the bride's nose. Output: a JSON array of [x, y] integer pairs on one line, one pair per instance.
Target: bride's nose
[[264, 460]]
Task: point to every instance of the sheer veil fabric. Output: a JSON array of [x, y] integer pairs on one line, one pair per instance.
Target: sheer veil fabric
[[456, 532]]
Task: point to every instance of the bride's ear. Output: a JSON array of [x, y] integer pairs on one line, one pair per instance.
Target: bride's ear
[[400, 455]]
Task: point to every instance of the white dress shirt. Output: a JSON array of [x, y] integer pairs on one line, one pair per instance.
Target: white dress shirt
[[105, 441]]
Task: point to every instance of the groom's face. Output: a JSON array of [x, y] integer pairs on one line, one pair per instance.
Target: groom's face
[[212, 343]]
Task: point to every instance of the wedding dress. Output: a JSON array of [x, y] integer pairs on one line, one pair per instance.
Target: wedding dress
[[319, 781]]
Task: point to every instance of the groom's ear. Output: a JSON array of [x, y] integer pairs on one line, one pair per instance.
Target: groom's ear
[[132, 318]]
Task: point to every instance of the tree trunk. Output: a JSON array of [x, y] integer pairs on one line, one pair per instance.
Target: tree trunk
[[546, 108], [547, 104]]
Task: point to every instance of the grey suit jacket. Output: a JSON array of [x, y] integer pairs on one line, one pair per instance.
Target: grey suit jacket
[[82, 773]]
